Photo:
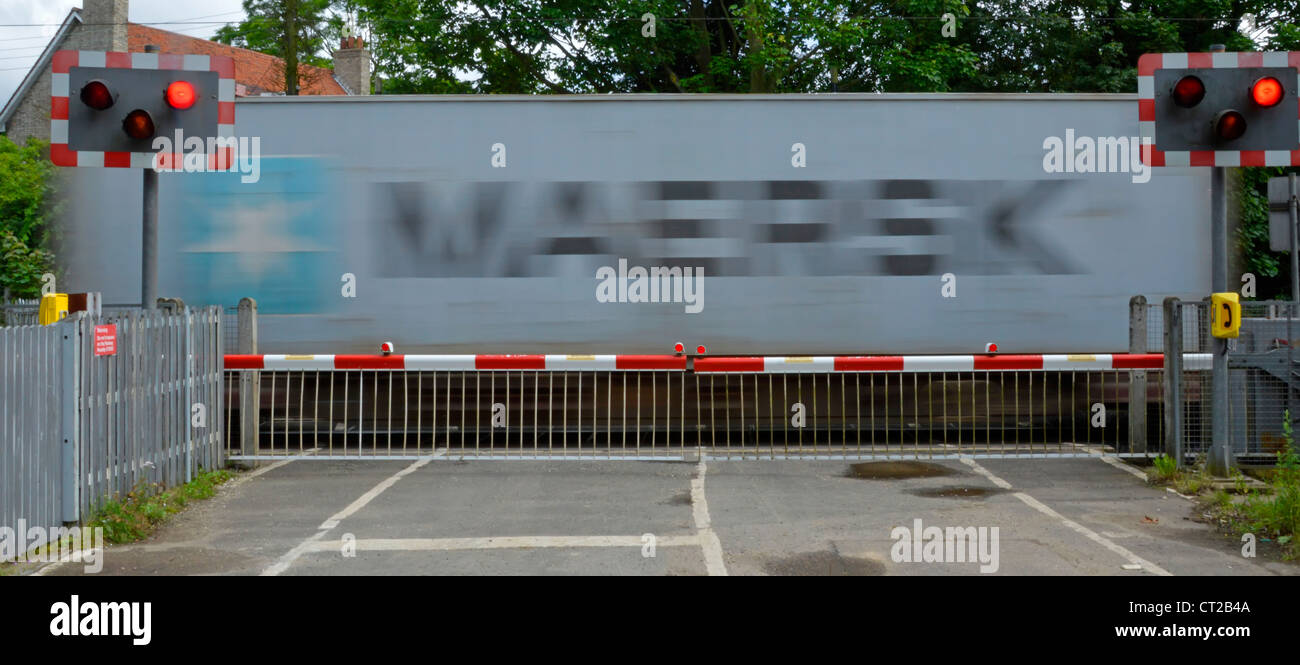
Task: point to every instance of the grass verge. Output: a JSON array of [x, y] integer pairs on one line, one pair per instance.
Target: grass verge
[[131, 518], [1272, 514], [136, 515]]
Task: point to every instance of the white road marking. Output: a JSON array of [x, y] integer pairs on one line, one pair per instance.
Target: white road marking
[[1113, 461], [986, 473], [66, 558], [1085, 531], [292, 555], [499, 543], [240, 480], [712, 547], [243, 478], [370, 496], [1124, 467]]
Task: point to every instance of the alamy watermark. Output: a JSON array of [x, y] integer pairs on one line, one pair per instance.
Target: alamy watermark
[[658, 284], [1102, 154], [195, 155], [78, 618], [67, 544], [932, 544]]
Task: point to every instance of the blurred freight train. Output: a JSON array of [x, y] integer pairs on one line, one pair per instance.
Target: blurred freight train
[[815, 224], [810, 224]]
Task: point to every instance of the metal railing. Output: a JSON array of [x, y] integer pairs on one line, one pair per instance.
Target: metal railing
[[80, 427], [587, 407]]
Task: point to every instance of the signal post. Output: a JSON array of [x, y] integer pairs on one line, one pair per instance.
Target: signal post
[[1220, 110], [108, 108]]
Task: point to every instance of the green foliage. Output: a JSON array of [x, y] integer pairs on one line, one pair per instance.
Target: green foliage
[[26, 187], [1164, 467], [1277, 513], [297, 31], [1273, 514], [136, 515]]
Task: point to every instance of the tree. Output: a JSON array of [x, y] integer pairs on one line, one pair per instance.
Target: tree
[[25, 196], [296, 31]]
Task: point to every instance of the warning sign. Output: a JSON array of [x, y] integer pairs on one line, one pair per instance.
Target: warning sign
[[106, 340]]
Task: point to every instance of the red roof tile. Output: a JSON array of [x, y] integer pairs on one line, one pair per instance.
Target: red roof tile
[[255, 72]]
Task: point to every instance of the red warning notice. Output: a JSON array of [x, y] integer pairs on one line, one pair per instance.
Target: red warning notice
[[106, 340]]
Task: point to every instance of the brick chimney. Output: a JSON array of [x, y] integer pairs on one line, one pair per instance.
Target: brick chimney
[[103, 25], [352, 66]]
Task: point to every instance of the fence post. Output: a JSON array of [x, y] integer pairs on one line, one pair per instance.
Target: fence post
[[70, 405], [1173, 394], [1137, 383], [249, 382], [187, 413]]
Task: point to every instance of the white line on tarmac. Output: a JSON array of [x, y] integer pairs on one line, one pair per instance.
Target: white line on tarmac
[[78, 556], [54, 565], [292, 555], [268, 468], [708, 539], [1111, 460], [370, 496], [1085, 531], [499, 543]]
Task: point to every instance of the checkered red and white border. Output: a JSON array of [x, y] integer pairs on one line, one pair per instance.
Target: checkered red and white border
[[1147, 66], [63, 61], [755, 364]]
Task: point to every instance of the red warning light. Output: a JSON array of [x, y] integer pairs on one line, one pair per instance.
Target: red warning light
[[1229, 125], [96, 95], [1267, 92], [679, 347], [138, 124], [180, 95], [1188, 91], [700, 349]]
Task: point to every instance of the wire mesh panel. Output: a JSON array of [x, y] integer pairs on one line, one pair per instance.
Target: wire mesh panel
[[1263, 378]]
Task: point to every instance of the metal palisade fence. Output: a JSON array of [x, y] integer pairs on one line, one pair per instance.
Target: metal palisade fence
[[91, 407]]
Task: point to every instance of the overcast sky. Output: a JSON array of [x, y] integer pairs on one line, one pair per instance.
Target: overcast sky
[[21, 44]]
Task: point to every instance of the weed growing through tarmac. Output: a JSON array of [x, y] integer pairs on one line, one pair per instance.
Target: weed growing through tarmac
[[1274, 514], [1164, 471], [135, 516], [1271, 514]]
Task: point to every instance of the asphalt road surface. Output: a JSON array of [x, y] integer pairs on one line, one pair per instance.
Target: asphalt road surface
[[440, 517]]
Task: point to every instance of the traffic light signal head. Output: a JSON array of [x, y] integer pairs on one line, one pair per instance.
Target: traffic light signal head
[[122, 110], [180, 95], [1267, 92], [1220, 109], [108, 107], [96, 95]]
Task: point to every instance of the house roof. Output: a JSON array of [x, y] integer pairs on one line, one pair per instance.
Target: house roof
[[34, 73], [255, 73]]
